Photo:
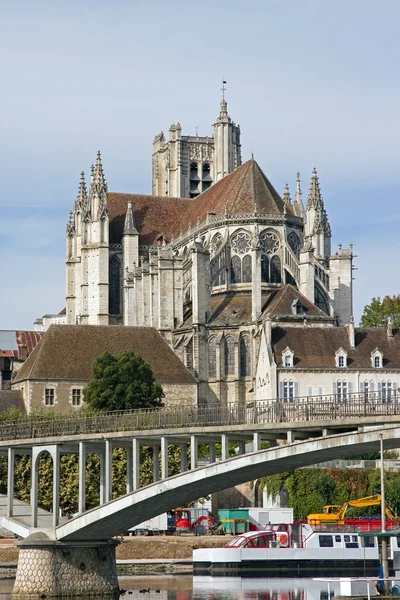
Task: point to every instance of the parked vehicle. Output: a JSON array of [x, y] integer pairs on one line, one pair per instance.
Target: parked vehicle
[[336, 514]]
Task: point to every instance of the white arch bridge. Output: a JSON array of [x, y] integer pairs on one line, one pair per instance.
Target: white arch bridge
[[115, 516]]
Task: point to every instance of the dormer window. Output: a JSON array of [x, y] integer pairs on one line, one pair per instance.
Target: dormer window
[[341, 359], [377, 359], [287, 358]]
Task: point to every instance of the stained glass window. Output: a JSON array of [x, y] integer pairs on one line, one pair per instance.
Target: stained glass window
[[114, 293], [236, 269], [244, 356], [294, 242], [320, 300], [212, 357], [265, 269], [269, 242], [276, 276], [246, 269], [229, 358], [241, 243]]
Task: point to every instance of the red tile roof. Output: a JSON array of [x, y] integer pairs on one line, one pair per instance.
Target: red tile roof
[[18, 344], [246, 190]]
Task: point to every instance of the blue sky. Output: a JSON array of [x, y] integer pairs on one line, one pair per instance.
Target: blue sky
[[311, 83]]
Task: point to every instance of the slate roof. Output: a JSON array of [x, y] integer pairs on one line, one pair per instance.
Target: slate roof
[[315, 347], [18, 344], [11, 399], [153, 216], [246, 190], [67, 352], [279, 304], [235, 309]]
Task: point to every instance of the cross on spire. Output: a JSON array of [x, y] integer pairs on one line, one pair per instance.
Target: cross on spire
[[223, 89]]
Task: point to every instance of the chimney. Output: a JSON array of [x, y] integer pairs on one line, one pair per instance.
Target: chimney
[[351, 333], [390, 327]]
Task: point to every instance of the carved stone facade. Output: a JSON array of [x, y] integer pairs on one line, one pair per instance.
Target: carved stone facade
[[185, 166], [207, 271]]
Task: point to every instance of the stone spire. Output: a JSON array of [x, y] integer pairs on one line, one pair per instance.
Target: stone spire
[[317, 228], [129, 226], [98, 191], [286, 195], [298, 200], [314, 197], [99, 183], [82, 197], [71, 225]]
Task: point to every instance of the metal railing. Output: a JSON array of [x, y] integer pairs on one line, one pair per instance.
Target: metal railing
[[345, 408]]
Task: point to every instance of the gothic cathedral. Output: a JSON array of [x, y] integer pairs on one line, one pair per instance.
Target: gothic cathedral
[[206, 259]]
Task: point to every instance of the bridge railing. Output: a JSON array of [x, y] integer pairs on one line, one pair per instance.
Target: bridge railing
[[304, 409]]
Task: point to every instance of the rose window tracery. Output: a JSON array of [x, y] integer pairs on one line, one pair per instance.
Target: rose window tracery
[[269, 242], [216, 244], [241, 243]]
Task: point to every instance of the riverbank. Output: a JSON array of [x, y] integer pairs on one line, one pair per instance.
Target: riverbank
[[142, 554]]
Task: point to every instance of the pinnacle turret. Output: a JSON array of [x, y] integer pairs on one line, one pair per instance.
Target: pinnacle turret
[[129, 226], [314, 197], [82, 197], [286, 195]]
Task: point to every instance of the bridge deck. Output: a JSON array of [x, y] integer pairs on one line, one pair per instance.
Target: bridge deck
[[20, 522]]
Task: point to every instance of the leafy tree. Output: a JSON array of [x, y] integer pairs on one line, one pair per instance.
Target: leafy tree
[[378, 311], [122, 382]]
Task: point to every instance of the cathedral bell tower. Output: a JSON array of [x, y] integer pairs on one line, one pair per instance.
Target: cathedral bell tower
[[227, 155]]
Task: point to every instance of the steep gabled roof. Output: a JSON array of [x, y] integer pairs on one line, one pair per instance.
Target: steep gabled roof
[[280, 304], [67, 352], [245, 191], [153, 216]]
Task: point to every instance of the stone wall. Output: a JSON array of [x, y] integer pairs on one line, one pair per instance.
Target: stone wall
[[34, 394], [54, 569]]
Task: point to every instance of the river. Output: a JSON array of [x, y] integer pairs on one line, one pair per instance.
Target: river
[[185, 587]]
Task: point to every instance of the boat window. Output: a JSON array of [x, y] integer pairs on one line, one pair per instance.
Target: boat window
[[326, 541], [346, 538], [351, 545], [338, 538], [262, 542], [237, 542], [368, 541], [354, 538], [398, 541]]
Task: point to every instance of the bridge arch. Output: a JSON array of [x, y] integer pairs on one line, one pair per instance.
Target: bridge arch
[[54, 452], [119, 515]]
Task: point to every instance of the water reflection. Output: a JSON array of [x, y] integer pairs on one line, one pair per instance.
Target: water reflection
[[211, 588], [225, 588]]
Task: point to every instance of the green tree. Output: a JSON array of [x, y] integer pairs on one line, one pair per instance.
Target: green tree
[[378, 311], [122, 382]]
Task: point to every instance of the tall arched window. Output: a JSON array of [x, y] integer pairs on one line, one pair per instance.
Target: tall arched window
[[320, 300], [276, 276], [265, 269], [114, 290], [229, 358], [236, 269], [245, 360], [246, 269], [212, 357]]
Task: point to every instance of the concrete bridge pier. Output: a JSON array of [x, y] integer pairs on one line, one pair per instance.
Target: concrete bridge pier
[[49, 568]]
